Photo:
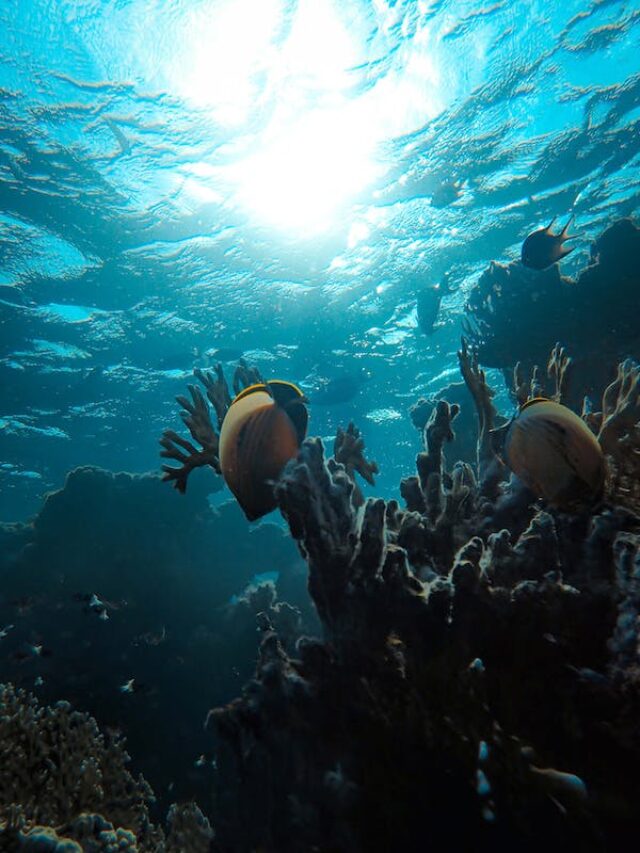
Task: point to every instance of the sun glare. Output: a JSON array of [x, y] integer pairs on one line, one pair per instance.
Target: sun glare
[[307, 172], [287, 94], [226, 46]]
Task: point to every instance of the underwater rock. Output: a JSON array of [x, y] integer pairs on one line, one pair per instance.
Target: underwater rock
[[165, 567], [515, 314]]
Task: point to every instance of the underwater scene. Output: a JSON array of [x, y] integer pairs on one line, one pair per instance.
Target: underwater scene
[[319, 426]]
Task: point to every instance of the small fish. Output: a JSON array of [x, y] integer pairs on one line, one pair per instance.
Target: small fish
[[224, 354], [339, 389], [97, 605], [4, 631], [543, 248], [428, 304], [133, 686], [38, 681], [38, 649]]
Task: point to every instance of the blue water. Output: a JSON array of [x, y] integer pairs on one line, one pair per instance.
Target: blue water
[[178, 177]]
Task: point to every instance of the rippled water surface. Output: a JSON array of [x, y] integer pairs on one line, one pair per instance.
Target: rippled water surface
[[275, 179]]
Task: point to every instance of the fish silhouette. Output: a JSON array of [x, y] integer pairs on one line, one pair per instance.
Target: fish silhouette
[[542, 248], [338, 389]]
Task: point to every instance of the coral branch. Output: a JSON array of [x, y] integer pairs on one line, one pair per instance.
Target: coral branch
[[620, 406], [245, 375], [490, 468], [189, 461], [559, 369], [197, 418], [196, 415], [217, 390], [348, 450]]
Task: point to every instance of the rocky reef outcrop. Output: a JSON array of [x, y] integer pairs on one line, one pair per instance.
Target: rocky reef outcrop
[[475, 685], [515, 314], [119, 579]]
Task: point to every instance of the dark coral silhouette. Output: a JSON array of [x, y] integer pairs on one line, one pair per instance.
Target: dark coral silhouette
[[476, 684], [515, 314]]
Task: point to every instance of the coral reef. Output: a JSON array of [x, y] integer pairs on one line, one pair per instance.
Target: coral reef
[[515, 314], [65, 788], [188, 830], [476, 682], [463, 445], [163, 568], [58, 770]]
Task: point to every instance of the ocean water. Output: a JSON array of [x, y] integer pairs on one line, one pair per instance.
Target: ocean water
[[194, 180], [198, 175]]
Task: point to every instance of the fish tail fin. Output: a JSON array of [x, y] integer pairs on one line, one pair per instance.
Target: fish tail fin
[[563, 251], [550, 225], [498, 438], [563, 233]]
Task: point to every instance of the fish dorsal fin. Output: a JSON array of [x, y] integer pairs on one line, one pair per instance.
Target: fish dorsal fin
[[284, 392], [251, 389], [563, 233], [289, 397], [534, 400]]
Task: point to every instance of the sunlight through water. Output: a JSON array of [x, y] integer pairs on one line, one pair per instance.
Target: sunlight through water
[[306, 128]]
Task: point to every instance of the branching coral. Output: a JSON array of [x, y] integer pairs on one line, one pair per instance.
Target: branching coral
[[620, 407], [490, 469], [559, 369], [65, 788], [55, 766], [243, 376], [477, 672], [196, 416], [188, 830], [197, 419], [348, 450]]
